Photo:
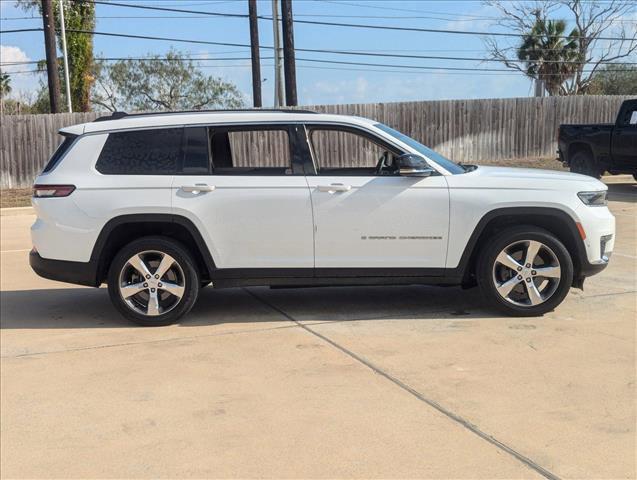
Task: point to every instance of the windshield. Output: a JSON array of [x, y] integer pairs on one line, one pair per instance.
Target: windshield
[[445, 163]]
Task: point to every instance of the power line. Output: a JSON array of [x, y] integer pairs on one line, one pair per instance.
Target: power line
[[437, 30], [311, 50], [402, 68], [141, 59], [21, 30], [316, 15], [335, 24], [165, 9]]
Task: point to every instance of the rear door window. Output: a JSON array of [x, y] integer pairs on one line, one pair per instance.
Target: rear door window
[[250, 151], [142, 152]]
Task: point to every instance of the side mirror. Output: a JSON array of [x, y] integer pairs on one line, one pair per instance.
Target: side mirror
[[410, 165]]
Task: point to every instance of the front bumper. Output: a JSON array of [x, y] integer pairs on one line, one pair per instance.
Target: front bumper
[[79, 273]]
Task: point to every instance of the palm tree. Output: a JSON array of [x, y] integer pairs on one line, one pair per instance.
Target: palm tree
[[5, 84], [550, 55], [5, 89]]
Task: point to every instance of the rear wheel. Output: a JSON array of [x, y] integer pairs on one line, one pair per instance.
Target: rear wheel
[[584, 163], [525, 271], [153, 281]]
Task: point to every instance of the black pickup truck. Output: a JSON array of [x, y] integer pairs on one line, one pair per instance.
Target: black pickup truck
[[598, 148]]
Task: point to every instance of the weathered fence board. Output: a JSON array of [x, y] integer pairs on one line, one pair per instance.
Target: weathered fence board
[[463, 130]]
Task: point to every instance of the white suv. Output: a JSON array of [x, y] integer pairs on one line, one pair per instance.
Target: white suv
[[159, 205]]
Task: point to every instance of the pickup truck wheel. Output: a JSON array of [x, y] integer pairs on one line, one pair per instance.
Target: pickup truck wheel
[[525, 271], [153, 281], [584, 163]]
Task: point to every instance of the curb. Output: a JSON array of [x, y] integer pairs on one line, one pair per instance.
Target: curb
[[15, 211]]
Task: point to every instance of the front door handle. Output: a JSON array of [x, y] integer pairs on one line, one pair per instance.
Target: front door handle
[[334, 187], [197, 188]]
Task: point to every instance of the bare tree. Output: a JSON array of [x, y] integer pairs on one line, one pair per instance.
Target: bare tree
[[595, 20]]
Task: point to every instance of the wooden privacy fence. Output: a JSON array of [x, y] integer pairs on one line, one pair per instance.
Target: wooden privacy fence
[[463, 130]]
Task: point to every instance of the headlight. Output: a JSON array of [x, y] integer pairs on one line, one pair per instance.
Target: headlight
[[593, 199]]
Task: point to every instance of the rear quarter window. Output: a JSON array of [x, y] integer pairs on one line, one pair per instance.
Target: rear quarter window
[[141, 152], [59, 152], [628, 114]]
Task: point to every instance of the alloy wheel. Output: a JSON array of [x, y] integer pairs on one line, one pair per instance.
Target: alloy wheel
[[526, 273], [152, 283]]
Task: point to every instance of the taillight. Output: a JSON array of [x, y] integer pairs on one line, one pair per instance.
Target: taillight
[[46, 191]]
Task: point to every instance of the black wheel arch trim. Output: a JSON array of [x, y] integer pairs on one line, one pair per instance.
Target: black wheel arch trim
[[580, 260], [107, 229]]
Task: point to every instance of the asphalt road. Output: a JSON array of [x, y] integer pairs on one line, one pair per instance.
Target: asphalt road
[[334, 382]]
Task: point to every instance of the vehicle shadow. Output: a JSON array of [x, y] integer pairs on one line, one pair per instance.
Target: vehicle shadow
[[68, 308], [622, 192]]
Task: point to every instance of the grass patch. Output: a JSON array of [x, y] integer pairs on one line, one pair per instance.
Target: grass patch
[[15, 197]]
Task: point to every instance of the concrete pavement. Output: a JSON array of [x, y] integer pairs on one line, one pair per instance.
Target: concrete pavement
[[416, 382]]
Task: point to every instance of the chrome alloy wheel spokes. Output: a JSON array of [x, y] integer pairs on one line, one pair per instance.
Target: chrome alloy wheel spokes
[[526, 273], [152, 283]]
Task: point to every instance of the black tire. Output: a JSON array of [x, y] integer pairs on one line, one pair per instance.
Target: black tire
[[183, 269], [486, 265], [584, 163]]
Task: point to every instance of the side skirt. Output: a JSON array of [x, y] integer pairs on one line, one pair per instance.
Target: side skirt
[[301, 278]]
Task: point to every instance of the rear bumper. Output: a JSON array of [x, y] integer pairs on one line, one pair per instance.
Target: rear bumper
[[79, 273], [590, 269]]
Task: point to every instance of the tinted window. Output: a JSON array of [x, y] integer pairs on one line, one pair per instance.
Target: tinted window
[[142, 152], [343, 152], [628, 115], [196, 155], [257, 151], [59, 152]]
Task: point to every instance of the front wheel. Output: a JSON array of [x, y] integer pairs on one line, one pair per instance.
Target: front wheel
[[525, 271], [153, 281]]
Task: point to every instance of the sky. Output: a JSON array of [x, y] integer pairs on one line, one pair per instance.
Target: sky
[[317, 83]]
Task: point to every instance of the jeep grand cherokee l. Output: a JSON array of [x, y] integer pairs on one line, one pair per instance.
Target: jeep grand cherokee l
[[159, 205]]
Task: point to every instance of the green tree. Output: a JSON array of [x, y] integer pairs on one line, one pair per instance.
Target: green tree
[[614, 79], [5, 89], [172, 82], [5, 84], [78, 15], [548, 56]]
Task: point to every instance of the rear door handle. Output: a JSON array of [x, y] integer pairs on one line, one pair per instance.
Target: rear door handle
[[334, 187], [198, 188]]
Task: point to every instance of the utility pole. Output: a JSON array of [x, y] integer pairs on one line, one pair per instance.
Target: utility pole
[[66, 59], [254, 50], [288, 53], [279, 95], [51, 55]]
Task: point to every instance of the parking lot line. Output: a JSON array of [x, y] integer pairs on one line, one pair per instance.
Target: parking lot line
[[432, 403], [624, 255]]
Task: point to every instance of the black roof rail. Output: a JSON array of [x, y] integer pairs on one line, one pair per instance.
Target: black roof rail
[[118, 115], [112, 116]]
